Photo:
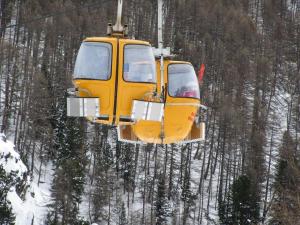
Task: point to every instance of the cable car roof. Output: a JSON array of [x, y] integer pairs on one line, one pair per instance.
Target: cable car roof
[[108, 39]]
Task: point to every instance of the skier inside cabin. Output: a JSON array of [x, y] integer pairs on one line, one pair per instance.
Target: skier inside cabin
[[182, 81]]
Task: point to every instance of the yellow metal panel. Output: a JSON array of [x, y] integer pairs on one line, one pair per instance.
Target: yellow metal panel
[[129, 91], [148, 131], [178, 117], [99, 88], [197, 132], [132, 41], [179, 112], [101, 39]]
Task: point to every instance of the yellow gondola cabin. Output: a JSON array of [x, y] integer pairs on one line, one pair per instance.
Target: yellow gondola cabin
[[117, 82], [110, 72], [182, 101], [114, 71]]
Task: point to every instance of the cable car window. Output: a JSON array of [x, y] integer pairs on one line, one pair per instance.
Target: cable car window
[[182, 81], [139, 64], [93, 61]]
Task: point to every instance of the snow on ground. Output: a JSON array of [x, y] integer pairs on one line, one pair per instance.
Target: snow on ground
[[10, 159], [33, 207]]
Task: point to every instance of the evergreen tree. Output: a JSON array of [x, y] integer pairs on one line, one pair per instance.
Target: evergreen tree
[[128, 166], [103, 179], [6, 215], [286, 207], [123, 219], [162, 206], [240, 206], [70, 160], [244, 208], [187, 196]]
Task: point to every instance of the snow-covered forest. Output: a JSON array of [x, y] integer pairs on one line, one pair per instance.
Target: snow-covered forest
[[57, 170]]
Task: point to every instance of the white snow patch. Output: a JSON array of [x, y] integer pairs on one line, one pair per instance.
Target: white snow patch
[[10, 159], [34, 206]]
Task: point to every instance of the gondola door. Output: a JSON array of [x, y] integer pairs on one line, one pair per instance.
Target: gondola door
[[136, 76], [95, 74], [182, 100]]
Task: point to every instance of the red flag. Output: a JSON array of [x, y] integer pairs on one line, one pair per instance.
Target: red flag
[[201, 72]]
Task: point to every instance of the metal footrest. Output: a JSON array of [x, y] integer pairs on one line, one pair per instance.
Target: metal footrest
[[126, 134], [83, 107], [142, 110]]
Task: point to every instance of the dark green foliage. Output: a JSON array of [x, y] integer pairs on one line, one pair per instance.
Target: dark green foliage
[[240, 206], [123, 219], [162, 210], [107, 157], [6, 182], [286, 206], [81, 221], [187, 196], [127, 161], [223, 212], [70, 163], [245, 208], [103, 180], [50, 220]]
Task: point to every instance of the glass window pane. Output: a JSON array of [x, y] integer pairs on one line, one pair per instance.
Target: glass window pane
[[93, 61], [182, 81], [139, 64]]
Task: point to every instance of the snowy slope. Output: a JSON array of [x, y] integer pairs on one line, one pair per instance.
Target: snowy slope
[[10, 159], [32, 207]]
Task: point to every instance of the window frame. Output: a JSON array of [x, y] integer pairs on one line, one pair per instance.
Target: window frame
[[143, 82], [111, 62], [168, 86]]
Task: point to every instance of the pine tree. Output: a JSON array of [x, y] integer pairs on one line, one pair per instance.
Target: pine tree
[[70, 162], [103, 179], [240, 206], [123, 219], [244, 208], [286, 206], [187, 196], [6, 215], [162, 206], [128, 166]]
